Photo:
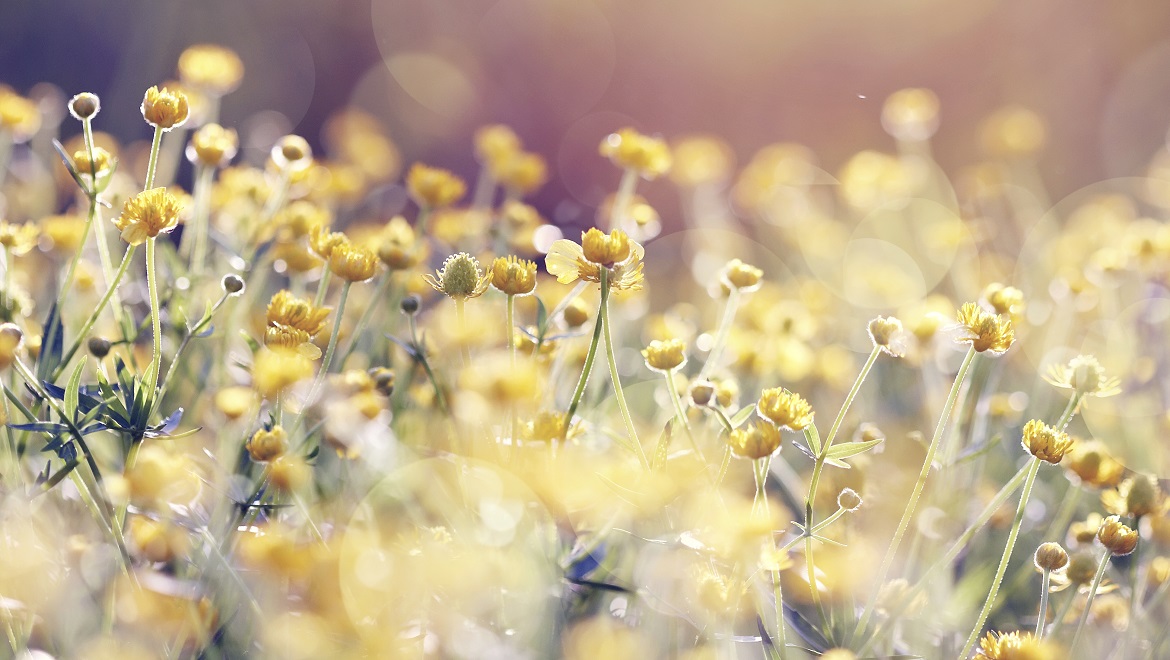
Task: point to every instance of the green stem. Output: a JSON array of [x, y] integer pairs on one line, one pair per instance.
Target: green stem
[[1040, 621], [828, 521], [912, 504], [461, 320], [70, 272], [325, 361], [510, 326], [155, 318], [865, 369], [1071, 409], [587, 368], [615, 377], [1033, 469], [201, 222], [681, 416], [380, 289], [322, 287], [1089, 603], [621, 200], [721, 334], [81, 335], [153, 164], [781, 637]]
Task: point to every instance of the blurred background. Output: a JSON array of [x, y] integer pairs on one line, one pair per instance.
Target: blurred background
[[564, 73]]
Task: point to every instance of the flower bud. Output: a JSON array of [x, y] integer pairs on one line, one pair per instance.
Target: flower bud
[[232, 284], [411, 304], [1050, 557], [84, 106], [10, 336], [1117, 537], [849, 500], [99, 347]]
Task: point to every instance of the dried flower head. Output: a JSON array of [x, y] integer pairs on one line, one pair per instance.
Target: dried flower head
[[740, 276], [514, 276], [1006, 300], [784, 408], [433, 187], [984, 330], [887, 334], [1118, 538], [148, 214], [701, 393], [353, 263], [165, 108], [1084, 375], [757, 440], [85, 106], [1045, 442], [267, 444], [665, 356], [399, 247], [460, 277], [213, 146], [629, 149], [849, 500], [568, 261], [211, 69], [1050, 557]]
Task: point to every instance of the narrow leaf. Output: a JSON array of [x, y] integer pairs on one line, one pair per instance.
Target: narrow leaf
[[847, 449], [72, 391], [742, 416]]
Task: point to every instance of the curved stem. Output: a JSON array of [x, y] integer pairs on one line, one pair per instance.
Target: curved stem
[[1089, 603], [721, 334], [1040, 620], [590, 356], [616, 378], [621, 200], [681, 416], [96, 312], [912, 504], [155, 321], [461, 319], [781, 637], [865, 369], [380, 290], [1033, 469]]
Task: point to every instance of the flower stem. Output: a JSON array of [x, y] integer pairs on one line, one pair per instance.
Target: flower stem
[[384, 283], [681, 416], [461, 320], [1033, 469], [1089, 603], [721, 334], [96, 312], [201, 221], [621, 200], [155, 320], [153, 164], [325, 361], [615, 377], [590, 356], [912, 504], [1040, 620], [781, 637], [510, 326]]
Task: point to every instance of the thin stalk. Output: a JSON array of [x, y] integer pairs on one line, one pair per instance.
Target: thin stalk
[[1041, 619], [325, 361], [322, 287], [621, 200], [781, 637], [153, 164], [1033, 469], [461, 320], [865, 369], [510, 326], [912, 504], [587, 368], [1071, 409], [6, 144], [96, 312], [1089, 603], [615, 377], [155, 318], [384, 282], [67, 283], [681, 415], [721, 334], [760, 472], [201, 222]]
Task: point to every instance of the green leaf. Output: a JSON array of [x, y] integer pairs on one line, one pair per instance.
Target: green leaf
[[847, 449], [72, 391], [740, 417], [813, 436]]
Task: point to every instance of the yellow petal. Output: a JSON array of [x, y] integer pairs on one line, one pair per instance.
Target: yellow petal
[[562, 260]]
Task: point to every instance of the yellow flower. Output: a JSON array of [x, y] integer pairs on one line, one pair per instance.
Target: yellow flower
[[547, 427], [1045, 442], [984, 330], [399, 248], [276, 369], [665, 356], [292, 153], [324, 241], [278, 335], [514, 276], [18, 239], [1085, 376], [432, 187], [523, 174], [353, 263], [1094, 466], [165, 108], [784, 408], [701, 160], [299, 313], [911, 114], [568, 261], [495, 144], [1118, 538], [19, 117], [759, 439], [147, 215], [213, 146], [886, 332], [10, 337], [1015, 646], [64, 231], [1014, 132], [1006, 300], [100, 166], [1135, 497], [629, 149], [212, 69], [460, 277], [266, 445], [740, 276]]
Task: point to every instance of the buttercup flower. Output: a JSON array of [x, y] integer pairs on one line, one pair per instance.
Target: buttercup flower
[[665, 356], [460, 277], [398, 246], [287, 309], [353, 263], [266, 445], [1014, 646], [759, 439], [632, 150], [432, 187], [210, 68], [568, 261], [1085, 376], [1118, 539], [784, 408], [514, 276], [1045, 442], [213, 146], [984, 330], [148, 214], [165, 108]]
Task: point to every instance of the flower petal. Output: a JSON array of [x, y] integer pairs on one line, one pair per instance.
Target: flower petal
[[562, 260]]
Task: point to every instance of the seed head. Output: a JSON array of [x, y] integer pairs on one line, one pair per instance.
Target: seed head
[[99, 347], [411, 304], [84, 106], [887, 334], [232, 284], [702, 393], [460, 277], [1084, 375], [849, 500], [165, 108], [1045, 442], [292, 153]]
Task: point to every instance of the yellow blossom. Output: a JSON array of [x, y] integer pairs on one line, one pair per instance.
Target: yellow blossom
[[757, 440], [1084, 375], [148, 214], [399, 248], [514, 276], [353, 263], [433, 187], [665, 355], [629, 149], [568, 261], [213, 146], [741, 276], [1045, 442], [267, 444], [1118, 538], [165, 108], [213, 69], [18, 239], [784, 408], [984, 330], [287, 309]]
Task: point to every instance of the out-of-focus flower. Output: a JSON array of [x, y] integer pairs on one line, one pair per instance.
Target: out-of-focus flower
[[700, 160], [267, 444], [1014, 132], [10, 338], [148, 214], [741, 276], [757, 440], [629, 149], [1084, 375], [211, 69], [568, 261], [213, 146], [292, 154], [1015, 645], [274, 370], [1004, 300], [887, 334], [665, 356], [165, 108], [523, 174], [353, 263], [398, 247], [1118, 538], [1135, 497], [18, 239], [1094, 465], [433, 187], [911, 114], [19, 117]]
